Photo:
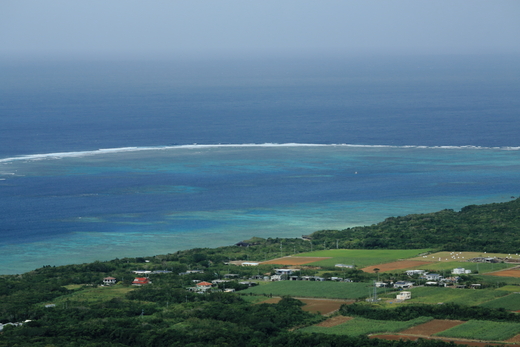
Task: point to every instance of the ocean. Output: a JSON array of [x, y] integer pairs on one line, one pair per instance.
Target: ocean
[[106, 159]]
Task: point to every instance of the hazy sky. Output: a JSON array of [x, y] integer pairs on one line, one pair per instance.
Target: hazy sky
[[39, 28]]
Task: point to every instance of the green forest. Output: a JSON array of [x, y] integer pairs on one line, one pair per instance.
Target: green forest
[[67, 306]]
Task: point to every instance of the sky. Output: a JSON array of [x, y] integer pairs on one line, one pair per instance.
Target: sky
[[136, 28]]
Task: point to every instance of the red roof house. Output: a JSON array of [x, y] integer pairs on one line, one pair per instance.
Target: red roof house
[[204, 285], [139, 281]]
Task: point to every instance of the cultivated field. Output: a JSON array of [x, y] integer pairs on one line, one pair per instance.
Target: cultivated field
[[434, 295], [332, 322], [432, 327], [510, 302], [448, 266], [515, 272], [362, 257], [463, 256], [396, 265], [323, 306], [294, 260], [311, 289], [363, 326], [483, 330]]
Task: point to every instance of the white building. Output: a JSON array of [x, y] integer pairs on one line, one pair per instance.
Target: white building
[[460, 271], [404, 295]]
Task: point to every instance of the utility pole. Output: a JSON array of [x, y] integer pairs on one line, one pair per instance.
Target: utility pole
[[336, 244]]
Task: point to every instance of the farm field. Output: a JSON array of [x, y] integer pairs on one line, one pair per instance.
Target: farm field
[[448, 266], [396, 265], [510, 302], [515, 272], [332, 322], [470, 297], [294, 260], [363, 326], [323, 306], [510, 281], [462, 256], [362, 257], [483, 330], [311, 289], [432, 327]]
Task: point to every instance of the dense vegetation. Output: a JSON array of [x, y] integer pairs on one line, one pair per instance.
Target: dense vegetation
[[166, 314], [487, 228], [445, 311]]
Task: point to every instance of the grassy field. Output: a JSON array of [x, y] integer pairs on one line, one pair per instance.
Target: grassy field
[[498, 279], [329, 290], [510, 302], [363, 326], [448, 266], [96, 294], [361, 257], [462, 256], [471, 297], [483, 330]]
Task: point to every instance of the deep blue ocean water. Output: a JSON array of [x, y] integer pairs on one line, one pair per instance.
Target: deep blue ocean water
[[284, 147]]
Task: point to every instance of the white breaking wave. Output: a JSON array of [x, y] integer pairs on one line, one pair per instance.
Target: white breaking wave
[[61, 155]]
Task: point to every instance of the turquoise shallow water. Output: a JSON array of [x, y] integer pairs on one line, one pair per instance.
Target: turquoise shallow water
[[86, 206]]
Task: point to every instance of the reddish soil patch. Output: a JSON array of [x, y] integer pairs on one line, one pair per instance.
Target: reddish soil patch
[[514, 272], [432, 327], [415, 338], [514, 339], [324, 306], [332, 322], [294, 260], [396, 265]]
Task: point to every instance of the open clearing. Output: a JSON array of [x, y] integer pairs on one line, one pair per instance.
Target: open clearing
[[323, 306], [396, 265], [314, 289], [362, 257], [432, 327], [294, 260], [463, 256], [515, 272], [332, 322]]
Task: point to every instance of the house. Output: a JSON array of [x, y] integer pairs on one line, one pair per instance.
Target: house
[[433, 277], [415, 272], [344, 266], [250, 263], [203, 286], [139, 281], [380, 284], [285, 271], [404, 295], [108, 281], [276, 277], [242, 244], [403, 284], [231, 275], [142, 272], [460, 271]]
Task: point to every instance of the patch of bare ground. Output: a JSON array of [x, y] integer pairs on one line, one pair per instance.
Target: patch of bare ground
[[512, 272], [323, 306], [294, 260], [332, 322], [415, 338], [514, 339], [396, 265], [432, 327]]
